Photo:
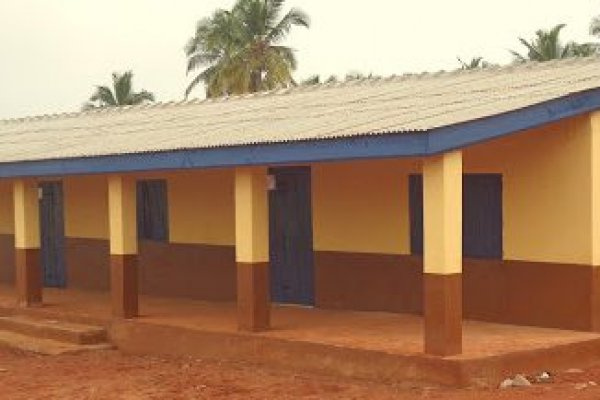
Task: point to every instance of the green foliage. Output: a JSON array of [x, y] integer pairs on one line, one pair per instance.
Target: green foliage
[[316, 79], [353, 76], [311, 80], [240, 50], [474, 63], [546, 45], [121, 94]]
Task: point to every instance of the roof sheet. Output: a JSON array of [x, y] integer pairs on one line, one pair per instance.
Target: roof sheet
[[395, 105]]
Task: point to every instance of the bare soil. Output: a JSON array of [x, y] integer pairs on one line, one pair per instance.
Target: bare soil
[[111, 375]]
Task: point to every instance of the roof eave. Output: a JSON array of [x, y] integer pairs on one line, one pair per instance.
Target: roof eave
[[421, 144]]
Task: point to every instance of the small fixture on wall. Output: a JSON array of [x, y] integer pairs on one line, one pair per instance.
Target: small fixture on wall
[[271, 182]]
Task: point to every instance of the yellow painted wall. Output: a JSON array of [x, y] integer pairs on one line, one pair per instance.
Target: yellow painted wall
[[201, 206], [7, 215], [86, 207], [547, 190], [362, 206]]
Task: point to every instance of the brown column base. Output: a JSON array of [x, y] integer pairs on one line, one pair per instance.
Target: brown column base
[[595, 299], [124, 285], [443, 314], [28, 277], [253, 296]]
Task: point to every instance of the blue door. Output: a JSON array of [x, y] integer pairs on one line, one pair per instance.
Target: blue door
[[482, 215], [52, 234], [291, 239]]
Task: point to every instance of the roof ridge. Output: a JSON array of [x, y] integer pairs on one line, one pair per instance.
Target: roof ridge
[[307, 88]]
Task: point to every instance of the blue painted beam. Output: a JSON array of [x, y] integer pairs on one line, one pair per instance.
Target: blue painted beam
[[392, 145]]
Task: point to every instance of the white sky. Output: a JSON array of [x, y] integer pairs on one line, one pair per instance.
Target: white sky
[[53, 52]]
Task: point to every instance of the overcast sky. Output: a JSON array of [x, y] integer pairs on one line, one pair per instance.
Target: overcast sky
[[55, 51]]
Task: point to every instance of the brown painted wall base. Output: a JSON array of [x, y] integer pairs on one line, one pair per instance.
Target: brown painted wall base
[[516, 292], [595, 300], [254, 300], [7, 259], [513, 292], [443, 314], [369, 282], [124, 285], [28, 277], [88, 264], [529, 293], [202, 272]]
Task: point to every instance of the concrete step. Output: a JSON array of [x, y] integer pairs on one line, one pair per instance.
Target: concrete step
[[67, 332], [46, 346]]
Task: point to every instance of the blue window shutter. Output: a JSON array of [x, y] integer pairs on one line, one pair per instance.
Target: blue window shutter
[[152, 210], [482, 215]]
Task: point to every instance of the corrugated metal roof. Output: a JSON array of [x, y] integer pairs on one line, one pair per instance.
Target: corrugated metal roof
[[393, 105]]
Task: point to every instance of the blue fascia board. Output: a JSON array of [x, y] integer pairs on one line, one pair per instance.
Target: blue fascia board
[[417, 144]]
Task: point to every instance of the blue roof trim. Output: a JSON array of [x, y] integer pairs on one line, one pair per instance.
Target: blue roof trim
[[352, 148]]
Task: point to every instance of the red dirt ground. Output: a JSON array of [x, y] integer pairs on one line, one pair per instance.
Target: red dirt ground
[[111, 375]]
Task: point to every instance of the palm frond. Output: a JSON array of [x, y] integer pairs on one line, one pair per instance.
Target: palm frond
[[143, 96], [517, 57], [193, 83], [295, 17], [286, 54], [122, 87], [201, 59], [237, 49], [595, 26], [104, 96], [121, 94]]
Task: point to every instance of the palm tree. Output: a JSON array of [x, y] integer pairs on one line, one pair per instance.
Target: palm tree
[[547, 46], [474, 63], [121, 94], [595, 26], [240, 50]]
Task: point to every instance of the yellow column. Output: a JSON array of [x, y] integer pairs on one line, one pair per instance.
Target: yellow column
[[442, 224], [27, 242], [593, 125], [252, 248], [123, 246]]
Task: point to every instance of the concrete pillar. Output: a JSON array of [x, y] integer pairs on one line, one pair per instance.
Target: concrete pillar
[[442, 213], [592, 127], [252, 249], [27, 242], [123, 246]]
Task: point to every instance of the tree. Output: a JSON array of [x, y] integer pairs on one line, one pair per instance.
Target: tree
[[474, 63], [121, 94], [595, 26], [240, 50], [547, 46]]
